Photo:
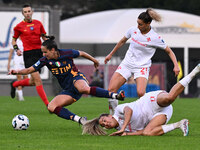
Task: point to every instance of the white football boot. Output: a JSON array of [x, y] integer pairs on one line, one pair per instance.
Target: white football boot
[[184, 126]]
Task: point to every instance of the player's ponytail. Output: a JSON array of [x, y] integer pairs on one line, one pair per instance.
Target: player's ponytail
[[50, 43], [92, 127], [150, 15], [50, 37], [154, 15]]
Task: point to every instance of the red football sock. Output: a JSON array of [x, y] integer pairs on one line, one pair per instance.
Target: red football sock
[[24, 82], [42, 94]]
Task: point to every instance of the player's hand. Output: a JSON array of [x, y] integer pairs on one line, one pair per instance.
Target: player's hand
[[124, 134], [176, 70], [19, 52], [13, 72], [8, 67], [120, 132], [96, 63], [108, 57]]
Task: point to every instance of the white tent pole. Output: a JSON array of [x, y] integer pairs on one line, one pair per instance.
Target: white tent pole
[[106, 72], [186, 67]]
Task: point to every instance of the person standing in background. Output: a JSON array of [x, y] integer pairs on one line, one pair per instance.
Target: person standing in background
[[18, 64], [137, 61], [30, 31]]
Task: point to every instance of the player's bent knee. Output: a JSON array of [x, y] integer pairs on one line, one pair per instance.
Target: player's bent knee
[[84, 90], [169, 100], [140, 93], [50, 108]]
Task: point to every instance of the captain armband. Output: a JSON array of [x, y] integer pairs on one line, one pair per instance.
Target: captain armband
[[15, 47]]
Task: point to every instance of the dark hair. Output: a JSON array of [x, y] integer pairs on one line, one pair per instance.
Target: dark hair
[[50, 43], [149, 15], [26, 5]]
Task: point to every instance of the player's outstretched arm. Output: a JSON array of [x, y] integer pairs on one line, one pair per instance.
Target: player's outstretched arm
[[127, 117], [23, 71], [139, 132], [172, 56], [89, 57], [117, 46]]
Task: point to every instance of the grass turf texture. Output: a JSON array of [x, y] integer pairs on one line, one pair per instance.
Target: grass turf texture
[[49, 132]]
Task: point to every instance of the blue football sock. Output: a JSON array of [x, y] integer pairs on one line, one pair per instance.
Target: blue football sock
[[99, 92], [64, 113]]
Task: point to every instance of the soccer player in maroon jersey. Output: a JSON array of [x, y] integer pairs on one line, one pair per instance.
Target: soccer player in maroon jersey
[[30, 31]]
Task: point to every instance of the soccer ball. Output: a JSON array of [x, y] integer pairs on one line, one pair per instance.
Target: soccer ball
[[20, 122]]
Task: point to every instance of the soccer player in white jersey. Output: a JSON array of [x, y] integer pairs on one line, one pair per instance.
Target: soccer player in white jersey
[[143, 43], [147, 116], [18, 64]]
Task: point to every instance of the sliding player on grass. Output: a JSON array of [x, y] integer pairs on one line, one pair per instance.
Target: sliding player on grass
[[147, 116], [73, 82]]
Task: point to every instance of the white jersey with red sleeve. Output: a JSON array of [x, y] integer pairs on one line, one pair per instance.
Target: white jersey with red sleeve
[[142, 47]]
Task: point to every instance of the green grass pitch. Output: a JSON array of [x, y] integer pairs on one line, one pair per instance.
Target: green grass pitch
[[49, 132]]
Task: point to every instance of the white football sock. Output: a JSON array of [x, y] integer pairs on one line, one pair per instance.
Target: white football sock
[[76, 118], [20, 93], [187, 79], [170, 127], [112, 105], [114, 95]]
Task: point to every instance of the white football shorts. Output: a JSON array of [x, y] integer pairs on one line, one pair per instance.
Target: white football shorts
[[126, 72], [18, 62], [152, 108]]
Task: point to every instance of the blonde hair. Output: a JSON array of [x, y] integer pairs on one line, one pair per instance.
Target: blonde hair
[[154, 15], [92, 127], [150, 15]]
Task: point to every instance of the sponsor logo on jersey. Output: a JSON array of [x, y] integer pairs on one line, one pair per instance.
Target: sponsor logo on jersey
[[136, 41], [60, 70]]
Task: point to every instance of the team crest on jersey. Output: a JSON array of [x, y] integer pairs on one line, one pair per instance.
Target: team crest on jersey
[[50, 63], [31, 28], [148, 39], [58, 64]]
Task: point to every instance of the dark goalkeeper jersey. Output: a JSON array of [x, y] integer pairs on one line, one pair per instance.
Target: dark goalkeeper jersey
[[63, 68]]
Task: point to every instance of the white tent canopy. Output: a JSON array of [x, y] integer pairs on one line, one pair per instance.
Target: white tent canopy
[[177, 29]]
